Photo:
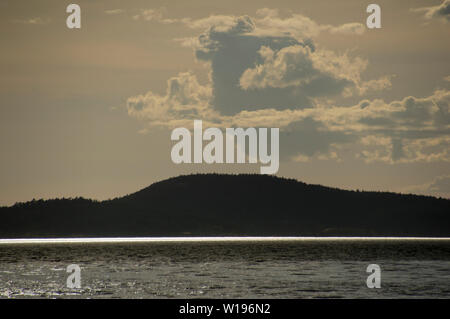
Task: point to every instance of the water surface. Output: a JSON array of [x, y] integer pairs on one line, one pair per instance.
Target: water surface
[[225, 267]]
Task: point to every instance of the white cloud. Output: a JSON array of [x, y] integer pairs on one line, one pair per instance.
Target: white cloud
[[260, 67], [267, 22], [405, 131], [156, 15], [348, 28], [221, 23], [302, 67], [258, 80], [184, 101]]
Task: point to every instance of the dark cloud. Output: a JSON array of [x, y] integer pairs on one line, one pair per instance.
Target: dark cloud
[[252, 70], [264, 79], [310, 138], [230, 53]]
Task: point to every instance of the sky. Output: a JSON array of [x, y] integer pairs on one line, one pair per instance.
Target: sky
[[89, 112]]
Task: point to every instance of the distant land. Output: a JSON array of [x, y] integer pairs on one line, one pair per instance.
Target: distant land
[[231, 205]]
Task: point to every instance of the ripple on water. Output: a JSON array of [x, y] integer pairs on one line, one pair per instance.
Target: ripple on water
[[297, 269]]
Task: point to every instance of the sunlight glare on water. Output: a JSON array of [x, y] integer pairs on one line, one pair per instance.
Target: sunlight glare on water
[[225, 267]]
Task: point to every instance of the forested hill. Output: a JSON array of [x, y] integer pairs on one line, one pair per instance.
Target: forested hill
[[216, 205]]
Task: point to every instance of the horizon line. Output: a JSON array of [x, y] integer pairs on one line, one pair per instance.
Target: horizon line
[[101, 240]]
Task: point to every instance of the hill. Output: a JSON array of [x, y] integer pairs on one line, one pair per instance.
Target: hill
[[244, 205]]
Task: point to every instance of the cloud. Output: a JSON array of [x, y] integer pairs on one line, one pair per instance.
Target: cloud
[[114, 11], [314, 72], [256, 66], [220, 23], [33, 21], [229, 52], [409, 130], [156, 15], [266, 23], [388, 149], [429, 113], [347, 28], [269, 23], [441, 11], [440, 186], [184, 101], [233, 45], [271, 79]]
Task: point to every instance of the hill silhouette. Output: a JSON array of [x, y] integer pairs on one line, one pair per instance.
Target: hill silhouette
[[241, 205]]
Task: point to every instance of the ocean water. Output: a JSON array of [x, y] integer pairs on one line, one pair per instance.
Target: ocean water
[[225, 268]]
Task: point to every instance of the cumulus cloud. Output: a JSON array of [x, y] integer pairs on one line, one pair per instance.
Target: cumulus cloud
[[256, 67], [229, 52], [410, 130], [316, 72], [233, 44], [276, 79], [296, 66], [184, 101], [441, 11]]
